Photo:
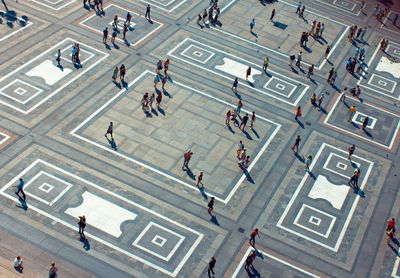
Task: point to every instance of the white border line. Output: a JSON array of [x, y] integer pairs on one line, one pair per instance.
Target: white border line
[[73, 227], [192, 186], [16, 31], [26, 112], [171, 253], [326, 235], [341, 7], [239, 267], [6, 137], [352, 209], [124, 9], [396, 265], [50, 7], [247, 62], [164, 9], [363, 137], [347, 27]]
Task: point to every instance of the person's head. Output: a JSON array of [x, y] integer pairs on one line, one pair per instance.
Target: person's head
[[53, 263], [213, 259], [256, 229], [212, 198], [21, 179], [393, 219], [18, 258]]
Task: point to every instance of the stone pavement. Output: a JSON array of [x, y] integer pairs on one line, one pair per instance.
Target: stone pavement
[[146, 217]]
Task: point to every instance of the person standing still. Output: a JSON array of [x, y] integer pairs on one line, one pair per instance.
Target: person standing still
[[265, 65], [147, 15], [82, 225], [239, 106], [302, 11], [298, 113], [244, 122], [211, 205], [308, 163], [199, 180], [240, 149], [352, 110], [20, 188], [235, 84], [105, 35], [253, 119], [321, 98], [298, 62], [252, 23], [351, 151], [18, 264], [298, 8], [53, 270], [248, 73], [58, 59]]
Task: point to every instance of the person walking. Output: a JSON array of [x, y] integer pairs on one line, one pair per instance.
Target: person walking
[[114, 35], [298, 62], [253, 119], [252, 23], [20, 187], [248, 73], [125, 30], [156, 80], [272, 14], [253, 235], [115, 73], [354, 179], [295, 146], [265, 65], [211, 266], [199, 180], [298, 8], [211, 205], [390, 229], [204, 16], [351, 151], [343, 95], [18, 264], [365, 123], [333, 78], [53, 270], [158, 100], [352, 110], [228, 117], [244, 122], [310, 71], [105, 35], [128, 19], [308, 163], [110, 130], [330, 74], [82, 225], [164, 81], [321, 98], [235, 84], [298, 113], [147, 15], [58, 57], [122, 71], [159, 66], [240, 149], [186, 158], [249, 260], [303, 7], [328, 49], [166, 66]]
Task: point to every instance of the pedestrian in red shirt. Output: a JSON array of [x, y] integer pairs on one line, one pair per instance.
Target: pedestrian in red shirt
[[390, 229], [228, 117], [253, 237], [298, 113], [211, 205]]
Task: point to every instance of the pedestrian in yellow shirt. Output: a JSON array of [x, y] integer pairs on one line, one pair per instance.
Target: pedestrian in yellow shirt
[[352, 110]]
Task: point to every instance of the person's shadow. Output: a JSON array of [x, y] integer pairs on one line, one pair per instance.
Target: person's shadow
[[23, 204], [190, 173], [254, 34], [214, 219], [112, 143], [85, 241]]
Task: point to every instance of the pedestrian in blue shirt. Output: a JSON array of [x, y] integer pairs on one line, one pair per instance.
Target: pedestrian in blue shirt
[[20, 187], [252, 25]]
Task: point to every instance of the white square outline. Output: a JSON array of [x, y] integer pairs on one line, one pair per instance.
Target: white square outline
[[6, 137], [383, 89], [125, 10], [391, 45], [53, 3], [171, 253], [283, 81], [184, 183], [53, 177], [312, 218], [161, 8], [18, 91], [173, 273], [50, 187], [332, 170], [352, 133], [121, 24], [39, 91], [296, 101], [91, 55], [344, 7], [372, 119], [328, 232], [190, 57], [338, 165], [161, 244], [162, 4], [55, 91], [338, 242], [280, 86], [383, 83]]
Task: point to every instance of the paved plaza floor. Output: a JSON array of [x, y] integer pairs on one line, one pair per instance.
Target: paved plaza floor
[[147, 216]]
